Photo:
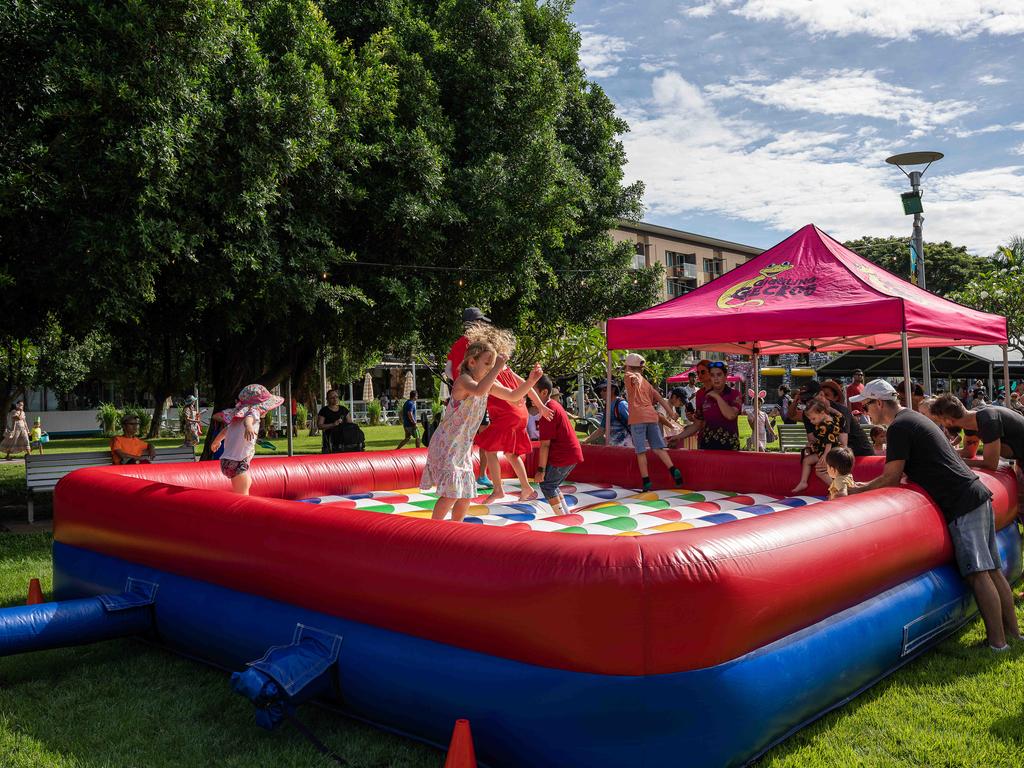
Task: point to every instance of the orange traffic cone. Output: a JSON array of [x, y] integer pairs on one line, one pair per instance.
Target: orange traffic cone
[[35, 593], [460, 751]]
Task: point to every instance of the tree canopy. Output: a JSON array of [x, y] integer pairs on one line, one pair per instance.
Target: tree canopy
[[947, 266]]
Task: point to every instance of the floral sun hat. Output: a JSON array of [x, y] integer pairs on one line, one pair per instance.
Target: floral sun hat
[[254, 399]]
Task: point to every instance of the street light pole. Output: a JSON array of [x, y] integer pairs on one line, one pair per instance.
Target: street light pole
[[918, 243], [917, 236]]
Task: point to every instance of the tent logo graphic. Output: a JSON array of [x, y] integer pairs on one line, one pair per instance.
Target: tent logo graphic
[[872, 276], [767, 283]]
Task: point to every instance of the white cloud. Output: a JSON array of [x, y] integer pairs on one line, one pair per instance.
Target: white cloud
[[992, 80], [1019, 149], [695, 160], [601, 54], [886, 19], [701, 11], [647, 67], [846, 92], [963, 133]]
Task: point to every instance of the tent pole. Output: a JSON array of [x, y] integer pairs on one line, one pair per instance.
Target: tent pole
[[908, 402], [756, 360], [1006, 375], [608, 399], [991, 383]]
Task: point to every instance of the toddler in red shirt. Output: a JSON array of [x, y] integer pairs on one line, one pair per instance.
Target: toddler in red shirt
[[559, 449]]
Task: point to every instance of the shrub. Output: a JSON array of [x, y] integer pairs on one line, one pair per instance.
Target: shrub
[[301, 417], [144, 415], [373, 412], [109, 419]]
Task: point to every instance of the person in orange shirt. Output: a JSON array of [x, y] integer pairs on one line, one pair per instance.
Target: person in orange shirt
[[644, 423], [129, 448]]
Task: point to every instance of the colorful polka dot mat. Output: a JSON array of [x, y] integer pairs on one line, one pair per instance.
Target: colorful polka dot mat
[[604, 510]]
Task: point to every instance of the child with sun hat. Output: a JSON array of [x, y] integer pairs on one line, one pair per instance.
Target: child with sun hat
[[239, 435]]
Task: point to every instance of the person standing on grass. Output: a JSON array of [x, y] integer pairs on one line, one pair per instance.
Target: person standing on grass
[[852, 390], [190, 418], [409, 421], [16, 440], [916, 447]]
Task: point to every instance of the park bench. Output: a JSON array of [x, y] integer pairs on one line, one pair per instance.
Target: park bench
[[42, 473], [792, 437]]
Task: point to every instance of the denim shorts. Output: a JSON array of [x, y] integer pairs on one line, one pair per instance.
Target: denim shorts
[[645, 435], [974, 540], [553, 477]]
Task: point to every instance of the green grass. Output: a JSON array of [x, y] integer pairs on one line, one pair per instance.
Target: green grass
[[125, 703]]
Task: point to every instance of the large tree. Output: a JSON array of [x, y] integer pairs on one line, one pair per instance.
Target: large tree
[[947, 266], [260, 181]]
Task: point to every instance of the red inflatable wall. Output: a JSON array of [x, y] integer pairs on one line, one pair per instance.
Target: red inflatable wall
[[612, 605]]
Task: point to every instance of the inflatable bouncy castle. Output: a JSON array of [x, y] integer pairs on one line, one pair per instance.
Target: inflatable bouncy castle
[[695, 626]]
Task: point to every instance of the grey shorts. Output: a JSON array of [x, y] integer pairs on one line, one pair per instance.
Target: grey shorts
[[646, 435], [553, 477], [974, 540]]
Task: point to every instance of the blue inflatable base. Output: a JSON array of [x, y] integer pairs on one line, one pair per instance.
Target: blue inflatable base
[[524, 715]]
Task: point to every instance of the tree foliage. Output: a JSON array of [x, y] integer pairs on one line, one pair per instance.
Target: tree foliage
[[245, 184], [947, 266], [999, 288]]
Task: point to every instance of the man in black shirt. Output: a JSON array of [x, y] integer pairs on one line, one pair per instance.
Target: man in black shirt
[[1001, 429], [916, 446]]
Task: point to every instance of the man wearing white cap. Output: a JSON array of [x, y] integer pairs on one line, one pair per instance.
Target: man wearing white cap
[[917, 447]]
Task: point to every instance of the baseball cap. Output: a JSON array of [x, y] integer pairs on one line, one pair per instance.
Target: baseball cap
[[474, 315], [879, 389], [634, 360]]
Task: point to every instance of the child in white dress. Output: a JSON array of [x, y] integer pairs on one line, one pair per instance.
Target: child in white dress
[[450, 454]]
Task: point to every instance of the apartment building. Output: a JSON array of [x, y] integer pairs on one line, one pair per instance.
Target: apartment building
[[689, 260]]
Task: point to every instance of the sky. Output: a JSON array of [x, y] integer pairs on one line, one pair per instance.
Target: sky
[[751, 118]]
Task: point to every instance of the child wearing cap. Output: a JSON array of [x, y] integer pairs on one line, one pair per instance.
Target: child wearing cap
[[644, 422], [239, 436]]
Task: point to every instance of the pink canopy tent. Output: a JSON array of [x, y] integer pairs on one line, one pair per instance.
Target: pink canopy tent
[[808, 293], [686, 374]]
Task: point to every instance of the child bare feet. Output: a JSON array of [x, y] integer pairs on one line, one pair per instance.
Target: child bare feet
[[494, 497], [528, 494], [799, 487]]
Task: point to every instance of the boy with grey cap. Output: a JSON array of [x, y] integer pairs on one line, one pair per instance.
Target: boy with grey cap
[[917, 447]]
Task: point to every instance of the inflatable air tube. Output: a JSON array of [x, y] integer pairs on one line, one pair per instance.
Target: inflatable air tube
[[77, 622], [703, 646]]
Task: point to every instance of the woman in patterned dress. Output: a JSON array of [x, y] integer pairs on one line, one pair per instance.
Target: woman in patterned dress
[[450, 455], [16, 439]]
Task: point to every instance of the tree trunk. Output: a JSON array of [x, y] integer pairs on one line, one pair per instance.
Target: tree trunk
[[161, 396]]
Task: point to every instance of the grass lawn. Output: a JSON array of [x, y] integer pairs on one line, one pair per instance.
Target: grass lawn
[[125, 703]]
